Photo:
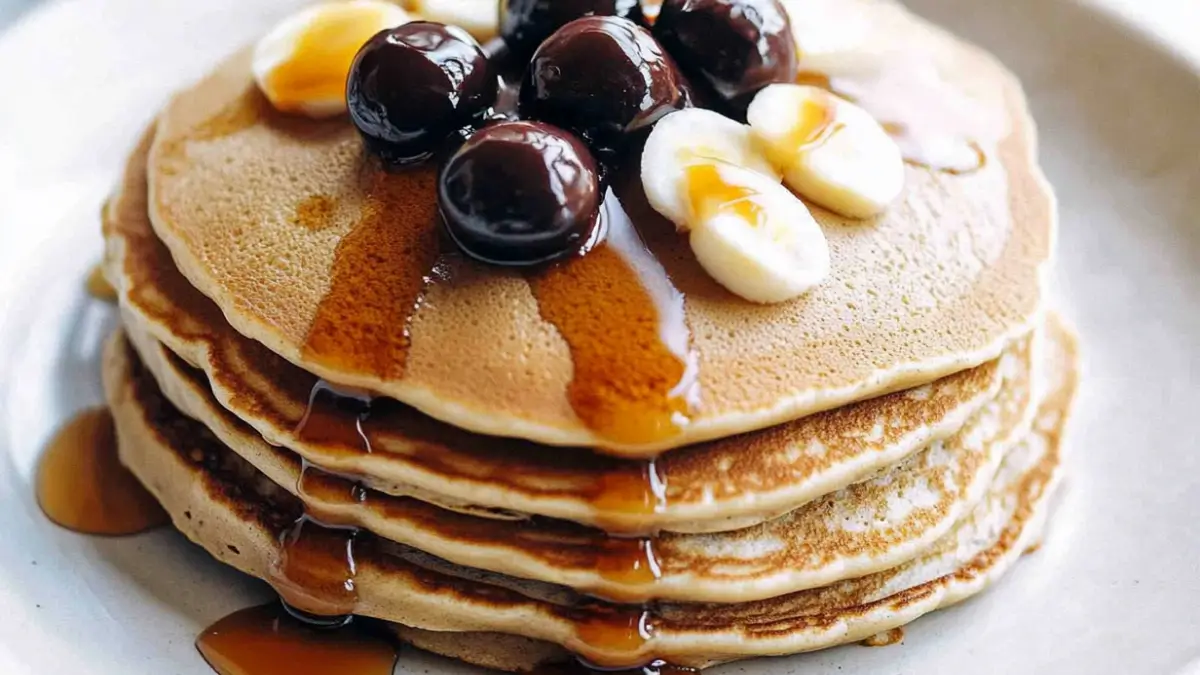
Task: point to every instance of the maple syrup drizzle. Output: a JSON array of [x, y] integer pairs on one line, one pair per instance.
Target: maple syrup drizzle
[[634, 371], [629, 562], [269, 640], [327, 486], [315, 213], [315, 570], [709, 194], [98, 287], [613, 637], [934, 125], [814, 127], [314, 575], [621, 498], [380, 271], [336, 416], [631, 490], [82, 486]]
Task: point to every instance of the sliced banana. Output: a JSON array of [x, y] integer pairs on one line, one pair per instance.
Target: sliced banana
[[751, 234], [687, 137], [480, 18], [301, 65], [829, 150]]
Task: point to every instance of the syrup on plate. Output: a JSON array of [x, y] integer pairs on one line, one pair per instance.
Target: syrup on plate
[[269, 640], [82, 486]]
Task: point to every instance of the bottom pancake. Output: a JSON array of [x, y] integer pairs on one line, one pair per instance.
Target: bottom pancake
[[498, 651], [221, 502]]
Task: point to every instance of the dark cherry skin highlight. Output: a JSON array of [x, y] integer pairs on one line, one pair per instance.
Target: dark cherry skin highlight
[[412, 87], [524, 24], [733, 47], [603, 78], [520, 193]]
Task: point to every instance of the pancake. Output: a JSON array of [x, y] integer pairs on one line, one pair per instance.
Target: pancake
[[860, 529], [498, 651], [225, 505], [628, 357], [720, 485]]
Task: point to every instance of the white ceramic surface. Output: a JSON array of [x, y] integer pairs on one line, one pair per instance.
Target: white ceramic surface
[[1116, 588]]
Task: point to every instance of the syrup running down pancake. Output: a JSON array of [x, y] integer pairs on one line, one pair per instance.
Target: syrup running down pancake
[[232, 510], [860, 529]]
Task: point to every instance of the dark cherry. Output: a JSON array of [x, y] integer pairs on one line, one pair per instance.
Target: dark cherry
[[520, 193], [411, 87], [736, 47], [524, 24], [603, 78]]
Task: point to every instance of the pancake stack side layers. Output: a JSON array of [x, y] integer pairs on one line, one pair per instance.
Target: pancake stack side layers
[[629, 385]]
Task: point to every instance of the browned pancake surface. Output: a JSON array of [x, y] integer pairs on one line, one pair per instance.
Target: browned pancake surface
[[307, 247], [228, 507], [872, 525]]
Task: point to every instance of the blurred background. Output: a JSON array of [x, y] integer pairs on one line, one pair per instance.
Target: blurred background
[[1176, 20], [9, 9]]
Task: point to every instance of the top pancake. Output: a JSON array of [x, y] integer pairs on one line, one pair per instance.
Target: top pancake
[[308, 247]]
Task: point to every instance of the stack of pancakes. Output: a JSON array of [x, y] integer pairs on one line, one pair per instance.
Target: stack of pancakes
[[613, 458]]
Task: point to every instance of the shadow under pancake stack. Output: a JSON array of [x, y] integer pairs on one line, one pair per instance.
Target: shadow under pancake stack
[[438, 357]]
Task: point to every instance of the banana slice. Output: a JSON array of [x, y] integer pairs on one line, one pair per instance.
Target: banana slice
[[687, 137], [480, 18], [751, 234], [302, 64], [829, 150]]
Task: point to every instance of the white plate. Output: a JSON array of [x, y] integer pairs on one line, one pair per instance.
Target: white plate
[[1116, 588]]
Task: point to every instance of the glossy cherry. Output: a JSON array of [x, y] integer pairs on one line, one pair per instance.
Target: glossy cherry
[[520, 193], [603, 78], [736, 47], [524, 24], [412, 87]]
